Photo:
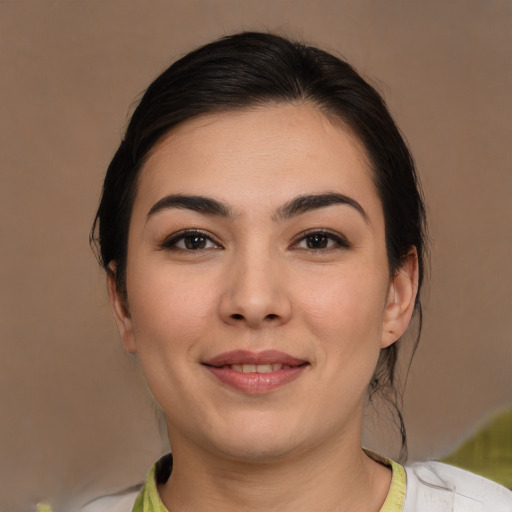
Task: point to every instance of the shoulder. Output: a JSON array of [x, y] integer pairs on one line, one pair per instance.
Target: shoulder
[[438, 487], [139, 498], [122, 502]]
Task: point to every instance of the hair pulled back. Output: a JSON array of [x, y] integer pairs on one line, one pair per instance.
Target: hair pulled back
[[244, 71]]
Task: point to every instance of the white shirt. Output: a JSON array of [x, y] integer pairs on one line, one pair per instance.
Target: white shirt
[[431, 487], [438, 487]]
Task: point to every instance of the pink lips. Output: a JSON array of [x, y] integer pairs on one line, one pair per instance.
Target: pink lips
[[256, 373]]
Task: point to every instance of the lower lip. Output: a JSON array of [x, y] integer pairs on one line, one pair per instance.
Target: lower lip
[[256, 383]]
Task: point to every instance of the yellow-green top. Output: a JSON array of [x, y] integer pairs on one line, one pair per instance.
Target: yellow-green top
[[149, 500]]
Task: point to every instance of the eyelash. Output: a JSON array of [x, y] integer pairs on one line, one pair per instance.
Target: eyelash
[[340, 242], [171, 243], [323, 235]]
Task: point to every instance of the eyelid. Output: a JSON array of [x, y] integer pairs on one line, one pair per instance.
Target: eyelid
[[340, 240], [170, 241]]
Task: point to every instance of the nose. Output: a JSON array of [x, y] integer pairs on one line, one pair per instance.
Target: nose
[[256, 293]]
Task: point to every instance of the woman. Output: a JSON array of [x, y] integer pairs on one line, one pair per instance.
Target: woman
[[263, 232]]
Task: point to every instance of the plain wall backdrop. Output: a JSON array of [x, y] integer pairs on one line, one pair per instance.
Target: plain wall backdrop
[[76, 418]]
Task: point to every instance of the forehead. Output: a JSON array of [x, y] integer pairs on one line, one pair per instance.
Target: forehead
[[258, 156]]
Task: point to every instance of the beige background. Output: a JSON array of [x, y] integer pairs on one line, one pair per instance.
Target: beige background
[[76, 421]]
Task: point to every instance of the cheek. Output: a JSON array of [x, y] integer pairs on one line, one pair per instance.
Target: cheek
[[171, 319], [347, 313], [169, 309]]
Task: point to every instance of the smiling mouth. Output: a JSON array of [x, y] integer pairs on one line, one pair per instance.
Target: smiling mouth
[[257, 368], [256, 373]]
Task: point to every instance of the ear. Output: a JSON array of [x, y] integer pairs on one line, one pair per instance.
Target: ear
[[401, 299], [120, 309]]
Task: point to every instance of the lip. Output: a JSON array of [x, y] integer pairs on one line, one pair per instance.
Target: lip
[[256, 383], [248, 357]]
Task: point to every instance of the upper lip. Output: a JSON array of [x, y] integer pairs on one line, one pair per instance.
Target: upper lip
[[248, 357]]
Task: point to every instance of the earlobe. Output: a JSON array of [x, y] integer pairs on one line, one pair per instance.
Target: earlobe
[[401, 299], [120, 310]]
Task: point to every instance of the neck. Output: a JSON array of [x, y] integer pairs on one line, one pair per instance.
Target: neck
[[337, 476]]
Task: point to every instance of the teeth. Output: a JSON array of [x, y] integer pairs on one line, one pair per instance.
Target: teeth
[[264, 368], [257, 368]]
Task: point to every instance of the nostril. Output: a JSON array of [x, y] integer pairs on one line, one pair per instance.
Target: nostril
[[271, 316], [237, 316]]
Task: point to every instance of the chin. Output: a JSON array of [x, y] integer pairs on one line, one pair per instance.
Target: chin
[[263, 450], [259, 441]]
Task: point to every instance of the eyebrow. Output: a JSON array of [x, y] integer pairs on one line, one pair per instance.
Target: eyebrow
[[297, 206], [200, 204], [308, 202]]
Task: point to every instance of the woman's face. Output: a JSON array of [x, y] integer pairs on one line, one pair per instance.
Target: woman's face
[[258, 287]]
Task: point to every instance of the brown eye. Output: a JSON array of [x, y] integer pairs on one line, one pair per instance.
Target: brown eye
[[321, 241], [194, 242], [191, 241], [317, 241]]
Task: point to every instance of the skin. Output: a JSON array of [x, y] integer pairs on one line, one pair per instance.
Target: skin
[[256, 284]]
